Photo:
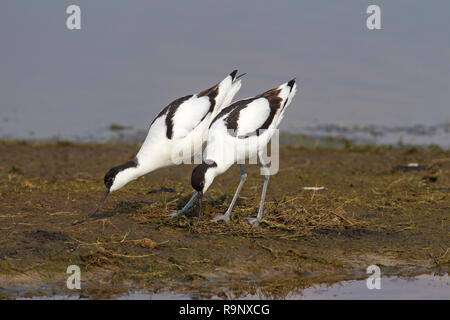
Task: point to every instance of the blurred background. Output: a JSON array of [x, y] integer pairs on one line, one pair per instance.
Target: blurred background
[[131, 58]]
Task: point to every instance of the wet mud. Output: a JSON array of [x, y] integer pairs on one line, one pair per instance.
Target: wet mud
[[369, 213]]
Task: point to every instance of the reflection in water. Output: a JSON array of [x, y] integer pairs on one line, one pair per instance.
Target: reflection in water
[[419, 287]]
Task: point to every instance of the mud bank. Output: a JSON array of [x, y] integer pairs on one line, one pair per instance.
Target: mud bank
[[372, 211]]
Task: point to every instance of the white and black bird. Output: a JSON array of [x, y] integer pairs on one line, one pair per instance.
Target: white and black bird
[[239, 132], [182, 125]]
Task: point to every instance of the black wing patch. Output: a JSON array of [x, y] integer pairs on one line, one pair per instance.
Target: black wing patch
[[231, 121], [211, 93], [233, 111], [170, 110], [275, 105]]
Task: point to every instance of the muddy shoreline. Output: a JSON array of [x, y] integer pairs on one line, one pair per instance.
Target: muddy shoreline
[[369, 213]]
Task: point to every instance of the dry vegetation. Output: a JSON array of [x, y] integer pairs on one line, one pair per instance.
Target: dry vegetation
[[369, 213]]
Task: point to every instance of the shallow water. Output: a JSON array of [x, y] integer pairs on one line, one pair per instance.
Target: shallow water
[[419, 287], [128, 62], [386, 135], [325, 135]]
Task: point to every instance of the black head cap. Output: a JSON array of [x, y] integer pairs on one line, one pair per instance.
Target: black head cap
[[111, 174], [109, 177], [198, 175]]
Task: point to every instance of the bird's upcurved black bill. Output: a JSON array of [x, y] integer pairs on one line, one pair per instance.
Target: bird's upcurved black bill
[[240, 76], [200, 195], [100, 203]]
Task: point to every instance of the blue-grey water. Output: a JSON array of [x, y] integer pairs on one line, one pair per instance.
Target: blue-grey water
[[435, 287], [130, 59]]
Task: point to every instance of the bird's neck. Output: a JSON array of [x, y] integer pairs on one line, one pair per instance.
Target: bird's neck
[[221, 167]]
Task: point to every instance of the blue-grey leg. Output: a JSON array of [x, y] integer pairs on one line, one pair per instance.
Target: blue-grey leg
[[226, 217], [186, 207], [255, 221], [190, 202]]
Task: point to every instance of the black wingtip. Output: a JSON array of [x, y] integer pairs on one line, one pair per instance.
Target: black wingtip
[[291, 83], [233, 74]]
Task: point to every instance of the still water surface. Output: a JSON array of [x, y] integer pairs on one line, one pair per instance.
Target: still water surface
[[419, 287], [129, 60]]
